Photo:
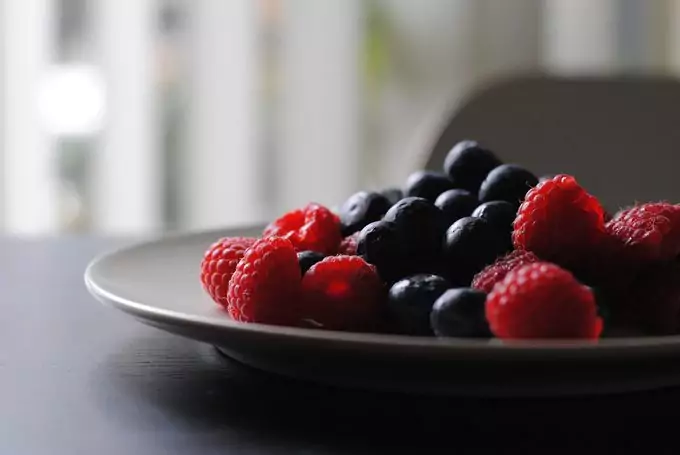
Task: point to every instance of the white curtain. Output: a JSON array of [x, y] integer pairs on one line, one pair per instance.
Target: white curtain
[[28, 178]]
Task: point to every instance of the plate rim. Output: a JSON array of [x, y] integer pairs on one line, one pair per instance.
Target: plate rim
[[169, 317]]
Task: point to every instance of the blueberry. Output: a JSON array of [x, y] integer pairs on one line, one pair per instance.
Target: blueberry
[[500, 214], [409, 302], [470, 245], [507, 182], [460, 313], [380, 244], [468, 164], [456, 204], [360, 209], [393, 195], [427, 184], [307, 259], [421, 226]]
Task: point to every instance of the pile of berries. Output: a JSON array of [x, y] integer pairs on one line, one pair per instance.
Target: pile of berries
[[483, 249]]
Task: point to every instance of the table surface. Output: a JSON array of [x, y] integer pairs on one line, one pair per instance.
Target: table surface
[[80, 378]]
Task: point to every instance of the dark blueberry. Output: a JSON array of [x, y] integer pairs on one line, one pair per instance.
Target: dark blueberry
[[456, 204], [421, 226], [410, 301], [470, 245], [507, 182], [393, 195], [468, 163], [500, 214], [380, 244], [460, 313], [427, 184], [307, 259], [360, 209]]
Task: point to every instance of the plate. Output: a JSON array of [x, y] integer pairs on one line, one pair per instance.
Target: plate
[[157, 283]]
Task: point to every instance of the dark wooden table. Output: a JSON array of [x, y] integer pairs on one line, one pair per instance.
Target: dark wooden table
[[79, 378]]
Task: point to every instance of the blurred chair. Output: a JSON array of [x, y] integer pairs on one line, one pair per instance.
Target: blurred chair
[[619, 136]]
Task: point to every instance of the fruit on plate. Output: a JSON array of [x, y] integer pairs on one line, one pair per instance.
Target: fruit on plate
[[468, 163], [380, 244], [427, 185], [507, 182], [493, 273], [361, 209], [219, 263], [420, 225], [501, 214], [342, 293], [560, 222], [649, 232], [542, 300], [470, 245], [313, 227], [456, 204], [410, 300], [267, 272], [482, 249], [306, 259], [460, 313]]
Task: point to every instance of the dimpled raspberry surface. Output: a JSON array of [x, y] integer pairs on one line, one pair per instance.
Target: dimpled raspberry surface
[[219, 263], [560, 222], [265, 287], [542, 300], [311, 228], [343, 293], [648, 232], [348, 246], [492, 274]]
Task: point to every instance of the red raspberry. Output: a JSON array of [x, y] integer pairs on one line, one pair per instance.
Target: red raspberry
[[648, 232], [266, 283], [652, 302], [560, 222], [348, 246], [313, 227], [343, 293], [219, 263], [542, 300], [492, 274]]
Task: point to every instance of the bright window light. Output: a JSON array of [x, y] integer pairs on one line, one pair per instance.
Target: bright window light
[[72, 100]]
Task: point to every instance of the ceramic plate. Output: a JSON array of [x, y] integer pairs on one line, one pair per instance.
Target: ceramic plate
[[157, 283]]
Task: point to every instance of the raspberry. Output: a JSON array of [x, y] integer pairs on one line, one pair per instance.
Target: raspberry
[[492, 274], [348, 246], [648, 232], [313, 227], [343, 293], [266, 283], [542, 300], [652, 302], [561, 223], [219, 263]]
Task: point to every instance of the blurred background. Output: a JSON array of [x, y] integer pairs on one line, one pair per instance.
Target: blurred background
[[132, 117]]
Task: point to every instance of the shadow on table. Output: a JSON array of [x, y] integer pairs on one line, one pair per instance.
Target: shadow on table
[[167, 380]]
